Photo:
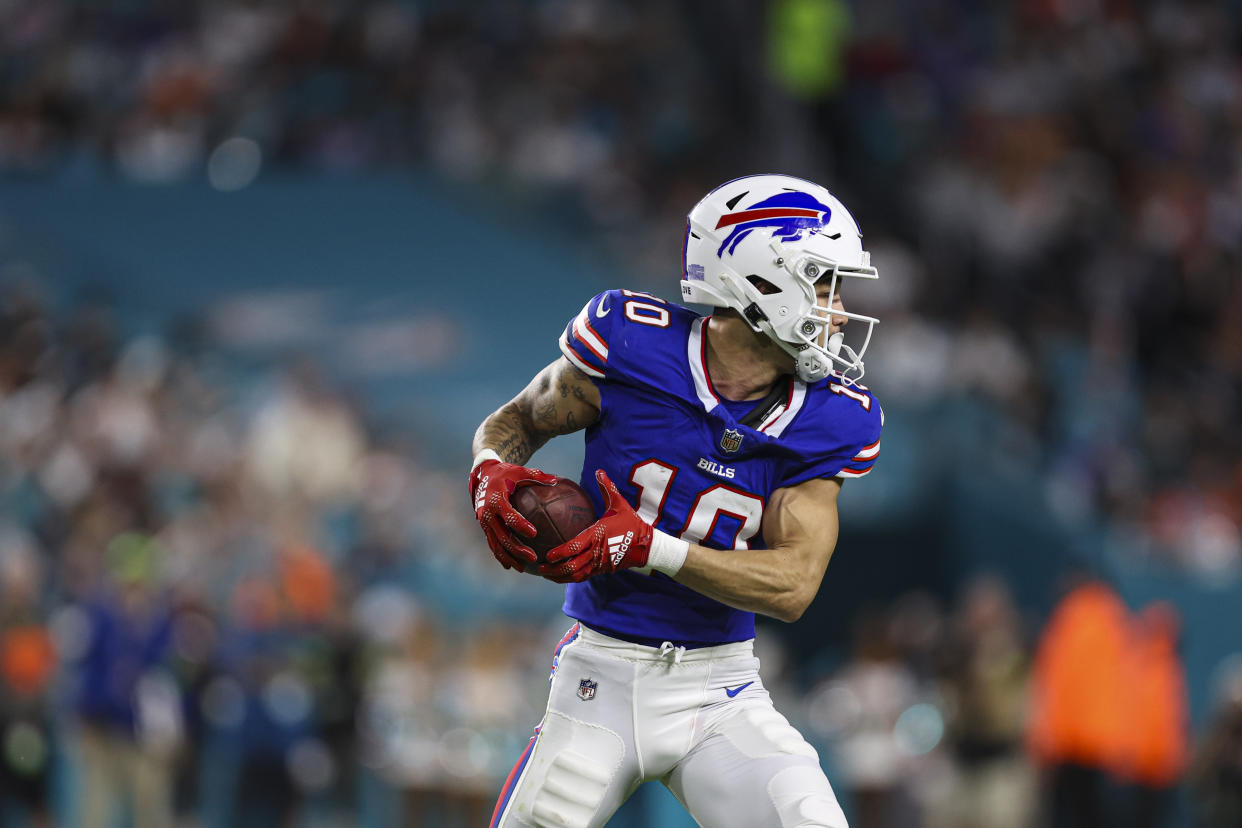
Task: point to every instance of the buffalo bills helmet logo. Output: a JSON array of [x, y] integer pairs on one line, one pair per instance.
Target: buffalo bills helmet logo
[[792, 215]]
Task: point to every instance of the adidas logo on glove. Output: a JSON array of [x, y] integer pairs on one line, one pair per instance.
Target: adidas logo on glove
[[618, 545], [480, 492]]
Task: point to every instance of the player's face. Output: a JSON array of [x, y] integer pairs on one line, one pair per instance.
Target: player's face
[[825, 298]]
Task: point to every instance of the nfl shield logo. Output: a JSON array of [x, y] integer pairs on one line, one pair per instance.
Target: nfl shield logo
[[586, 689], [731, 440]]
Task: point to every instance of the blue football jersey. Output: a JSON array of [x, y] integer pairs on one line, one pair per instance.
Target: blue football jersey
[[678, 453]]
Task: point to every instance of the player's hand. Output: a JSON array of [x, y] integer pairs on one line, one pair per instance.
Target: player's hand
[[491, 484], [618, 540]]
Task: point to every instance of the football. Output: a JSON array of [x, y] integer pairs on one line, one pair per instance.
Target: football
[[559, 512]]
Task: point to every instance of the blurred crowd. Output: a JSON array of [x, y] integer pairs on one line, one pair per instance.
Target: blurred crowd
[[237, 600], [220, 589], [1052, 190], [969, 716], [217, 592]]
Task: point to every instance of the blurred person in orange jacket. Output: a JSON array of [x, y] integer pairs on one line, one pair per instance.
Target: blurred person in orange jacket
[[1157, 726], [1077, 722]]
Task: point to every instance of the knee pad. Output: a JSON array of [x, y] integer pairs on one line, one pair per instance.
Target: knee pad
[[568, 775], [803, 798]]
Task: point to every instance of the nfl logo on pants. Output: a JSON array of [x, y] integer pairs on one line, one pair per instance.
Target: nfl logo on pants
[[586, 689]]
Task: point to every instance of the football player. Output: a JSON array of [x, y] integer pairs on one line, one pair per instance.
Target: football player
[[716, 447]]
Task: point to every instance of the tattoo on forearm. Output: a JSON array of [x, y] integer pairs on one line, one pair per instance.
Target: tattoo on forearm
[[546, 414], [504, 433], [542, 411], [514, 449]]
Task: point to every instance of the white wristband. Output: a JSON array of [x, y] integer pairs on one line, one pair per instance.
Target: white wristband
[[485, 454], [667, 554]]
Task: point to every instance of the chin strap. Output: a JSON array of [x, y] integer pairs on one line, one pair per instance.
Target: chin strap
[[813, 366], [810, 365]]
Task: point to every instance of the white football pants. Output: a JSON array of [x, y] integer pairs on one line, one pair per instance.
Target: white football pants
[[700, 721]]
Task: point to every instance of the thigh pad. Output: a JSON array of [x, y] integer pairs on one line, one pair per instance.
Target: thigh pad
[[572, 770]]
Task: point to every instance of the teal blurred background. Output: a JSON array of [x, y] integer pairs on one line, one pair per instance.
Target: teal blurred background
[[264, 269]]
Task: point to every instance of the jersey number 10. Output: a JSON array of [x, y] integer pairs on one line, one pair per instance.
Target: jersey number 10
[[654, 480]]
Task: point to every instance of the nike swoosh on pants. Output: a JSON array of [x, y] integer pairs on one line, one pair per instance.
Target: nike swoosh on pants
[[731, 692]]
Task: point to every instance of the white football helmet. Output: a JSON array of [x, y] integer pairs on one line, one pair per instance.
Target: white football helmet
[[789, 233]]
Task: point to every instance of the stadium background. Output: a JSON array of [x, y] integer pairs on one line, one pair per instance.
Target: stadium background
[[265, 266]]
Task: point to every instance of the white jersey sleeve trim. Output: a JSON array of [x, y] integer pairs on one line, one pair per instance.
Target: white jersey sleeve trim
[[584, 331], [869, 452], [578, 363]]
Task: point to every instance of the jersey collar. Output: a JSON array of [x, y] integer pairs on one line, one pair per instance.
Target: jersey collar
[[696, 354]]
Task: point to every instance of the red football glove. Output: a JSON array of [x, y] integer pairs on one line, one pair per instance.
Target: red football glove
[[618, 540], [491, 484]]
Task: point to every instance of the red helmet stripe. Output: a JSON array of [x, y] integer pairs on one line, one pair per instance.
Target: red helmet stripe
[[730, 219]]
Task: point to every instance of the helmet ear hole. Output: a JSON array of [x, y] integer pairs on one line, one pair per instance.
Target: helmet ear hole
[[762, 285]]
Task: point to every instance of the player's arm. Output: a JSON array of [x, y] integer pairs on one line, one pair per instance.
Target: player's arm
[[800, 526], [559, 400]]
